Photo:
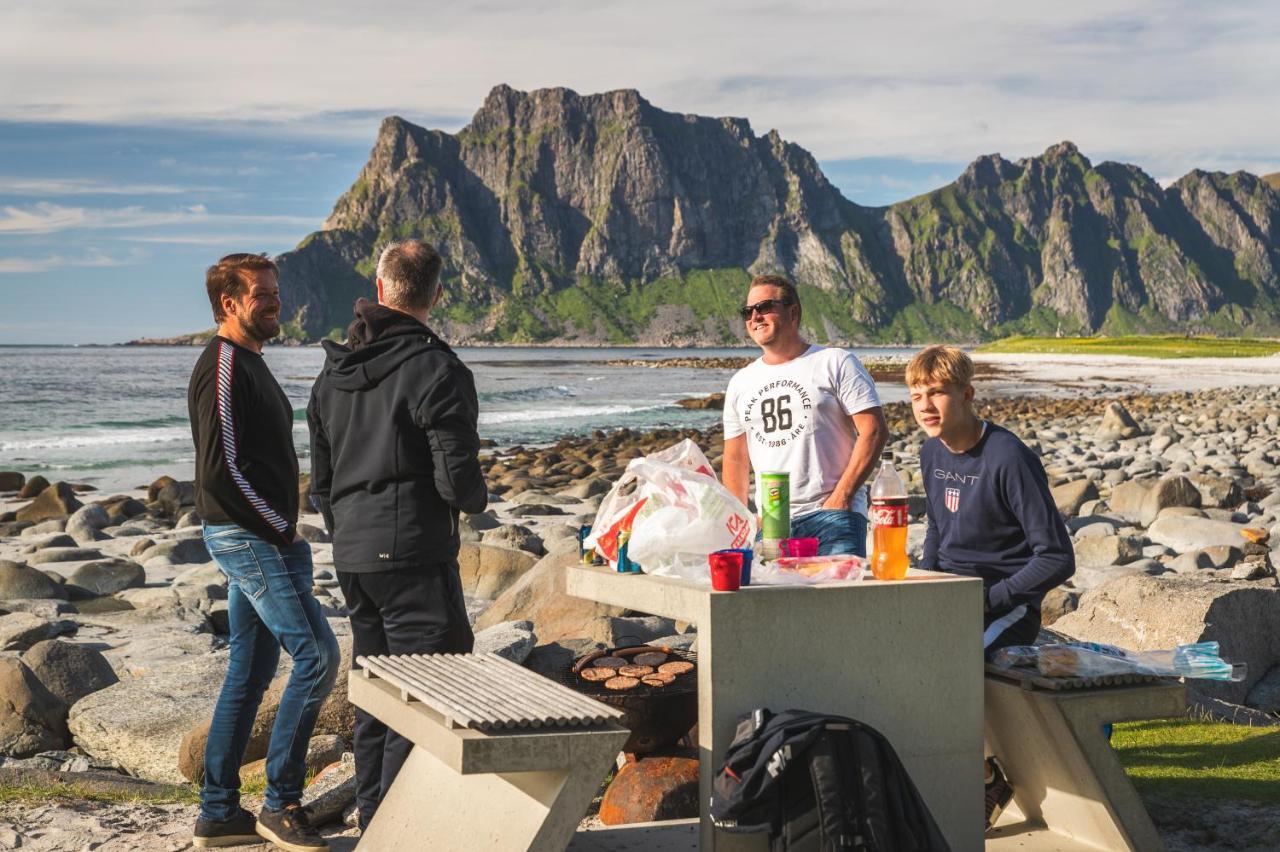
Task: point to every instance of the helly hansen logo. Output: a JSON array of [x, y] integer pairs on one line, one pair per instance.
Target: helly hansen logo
[[779, 761], [948, 476], [952, 499], [384, 555]]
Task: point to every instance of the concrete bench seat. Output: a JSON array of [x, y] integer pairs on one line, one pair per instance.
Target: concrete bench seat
[[503, 758], [1070, 791]]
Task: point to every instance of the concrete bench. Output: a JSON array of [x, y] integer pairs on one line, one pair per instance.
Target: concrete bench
[[1070, 791], [503, 758]]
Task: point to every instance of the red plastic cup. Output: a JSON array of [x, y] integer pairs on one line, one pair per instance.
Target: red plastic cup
[[726, 571], [799, 546]]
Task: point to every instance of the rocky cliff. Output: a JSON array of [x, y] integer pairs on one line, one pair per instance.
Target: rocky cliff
[[601, 218]]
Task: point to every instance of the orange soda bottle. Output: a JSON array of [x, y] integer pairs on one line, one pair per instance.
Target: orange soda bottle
[[889, 520]]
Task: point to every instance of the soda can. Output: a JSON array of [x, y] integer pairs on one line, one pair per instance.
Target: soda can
[[775, 514], [586, 557]]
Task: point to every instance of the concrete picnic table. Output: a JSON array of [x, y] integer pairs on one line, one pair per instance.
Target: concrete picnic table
[[902, 656]]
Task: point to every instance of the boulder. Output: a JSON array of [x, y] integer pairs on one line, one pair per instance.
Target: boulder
[[1146, 613], [154, 489], [179, 551], [59, 540], [1070, 496], [539, 596], [56, 501], [1102, 550], [511, 639], [33, 487], [69, 671], [33, 719], [487, 570], [19, 581], [86, 523], [656, 788], [1168, 491], [592, 487], [106, 577], [11, 480], [177, 497], [63, 554], [20, 630], [1265, 694], [1057, 603], [625, 631], [1217, 491], [139, 722], [314, 534], [1186, 533], [331, 792], [1190, 562], [1128, 499], [533, 510], [480, 521], [321, 752], [188, 519], [1117, 424], [514, 536]]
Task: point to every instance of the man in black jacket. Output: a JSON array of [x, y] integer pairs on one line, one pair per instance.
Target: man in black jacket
[[394, 458]]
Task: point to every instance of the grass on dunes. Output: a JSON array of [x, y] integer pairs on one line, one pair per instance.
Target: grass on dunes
[[1170, 346], [34, 794], [1192, 760]]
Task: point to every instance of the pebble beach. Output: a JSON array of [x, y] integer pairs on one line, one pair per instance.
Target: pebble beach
[[113, 624]]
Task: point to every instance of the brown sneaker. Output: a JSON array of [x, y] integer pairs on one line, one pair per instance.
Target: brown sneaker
[[290, 829], [999, 792]]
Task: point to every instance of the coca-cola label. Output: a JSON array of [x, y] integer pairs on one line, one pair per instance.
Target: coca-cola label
[[889, 514]]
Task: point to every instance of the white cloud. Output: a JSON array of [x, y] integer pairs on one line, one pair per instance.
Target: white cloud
[[93, 259], [89, 186], [1167, 83], [48, 218]]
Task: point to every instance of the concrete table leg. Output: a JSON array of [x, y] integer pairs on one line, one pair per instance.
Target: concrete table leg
[[1066, 778]]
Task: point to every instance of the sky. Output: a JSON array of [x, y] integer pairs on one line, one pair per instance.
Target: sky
[[139, 144]]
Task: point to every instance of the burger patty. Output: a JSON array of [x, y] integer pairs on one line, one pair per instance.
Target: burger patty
[[676, 667], [650, 658], [597, 673], [609, 663], [635, 671], [620, 683]]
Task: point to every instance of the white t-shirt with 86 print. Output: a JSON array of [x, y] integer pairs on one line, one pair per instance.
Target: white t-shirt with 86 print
[[796, 417]]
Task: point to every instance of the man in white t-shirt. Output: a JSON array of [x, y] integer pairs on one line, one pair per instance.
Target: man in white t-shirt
[[807, 410]]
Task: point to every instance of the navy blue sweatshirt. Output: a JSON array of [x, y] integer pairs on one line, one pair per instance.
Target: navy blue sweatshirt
[[991, 516]]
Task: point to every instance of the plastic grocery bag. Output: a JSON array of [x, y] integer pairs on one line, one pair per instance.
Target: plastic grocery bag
[[1092, 659], [675, 512]]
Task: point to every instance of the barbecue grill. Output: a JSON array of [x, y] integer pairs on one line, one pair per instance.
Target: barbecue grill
[[656, 716]]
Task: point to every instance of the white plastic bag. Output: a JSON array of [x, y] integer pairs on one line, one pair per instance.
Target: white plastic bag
[[806, 570], [676, 512]]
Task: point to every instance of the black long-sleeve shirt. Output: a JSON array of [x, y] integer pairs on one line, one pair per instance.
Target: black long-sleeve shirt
[[990, 515], [242, 425]]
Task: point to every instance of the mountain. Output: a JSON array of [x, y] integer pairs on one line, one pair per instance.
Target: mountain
[[600, 218], [1273, 179]]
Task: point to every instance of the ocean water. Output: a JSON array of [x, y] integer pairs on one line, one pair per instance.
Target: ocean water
[[116, 417]]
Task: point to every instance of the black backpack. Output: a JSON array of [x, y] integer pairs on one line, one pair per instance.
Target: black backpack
[[819, 782]]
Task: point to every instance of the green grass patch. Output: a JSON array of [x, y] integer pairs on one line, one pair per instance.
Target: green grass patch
[[1197, 760], [1164, 346]]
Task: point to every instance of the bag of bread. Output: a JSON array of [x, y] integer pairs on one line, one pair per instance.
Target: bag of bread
[[1092, 659]]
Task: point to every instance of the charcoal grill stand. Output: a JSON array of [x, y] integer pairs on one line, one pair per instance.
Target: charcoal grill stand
[[503, 759], [905, 657]]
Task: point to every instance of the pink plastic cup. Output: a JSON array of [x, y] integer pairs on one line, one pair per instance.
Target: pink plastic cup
[[726, 571], [799, 546]]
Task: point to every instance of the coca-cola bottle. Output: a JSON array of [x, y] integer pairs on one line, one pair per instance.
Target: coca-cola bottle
[[889, 523]]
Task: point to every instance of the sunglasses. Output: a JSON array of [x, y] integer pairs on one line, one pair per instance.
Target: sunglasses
[[764, 306]]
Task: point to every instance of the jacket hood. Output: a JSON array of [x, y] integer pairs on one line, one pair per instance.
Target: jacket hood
[[379, 340]]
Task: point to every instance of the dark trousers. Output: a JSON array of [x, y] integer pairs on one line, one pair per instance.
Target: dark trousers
[[409, 611]]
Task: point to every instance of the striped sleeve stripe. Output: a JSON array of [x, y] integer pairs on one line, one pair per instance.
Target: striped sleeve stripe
[[226, 364]]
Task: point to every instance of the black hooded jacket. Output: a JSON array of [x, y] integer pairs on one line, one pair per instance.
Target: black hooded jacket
[[394, 448]]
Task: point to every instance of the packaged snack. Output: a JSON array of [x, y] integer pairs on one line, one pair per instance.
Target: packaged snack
[[793, 570]]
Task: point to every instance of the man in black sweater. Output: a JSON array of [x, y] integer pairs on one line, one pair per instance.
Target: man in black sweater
[[394, 458], [247, 497], [990, 512]]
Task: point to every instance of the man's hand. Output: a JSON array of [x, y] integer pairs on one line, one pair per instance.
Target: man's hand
[[836, 502]]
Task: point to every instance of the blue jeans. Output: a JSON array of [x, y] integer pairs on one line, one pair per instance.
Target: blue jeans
[[270, 606], [837, 531]]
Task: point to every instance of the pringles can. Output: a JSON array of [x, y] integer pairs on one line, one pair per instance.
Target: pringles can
[[775, 513]]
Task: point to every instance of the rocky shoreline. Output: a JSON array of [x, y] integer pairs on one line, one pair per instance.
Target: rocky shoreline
[[113, 618]]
